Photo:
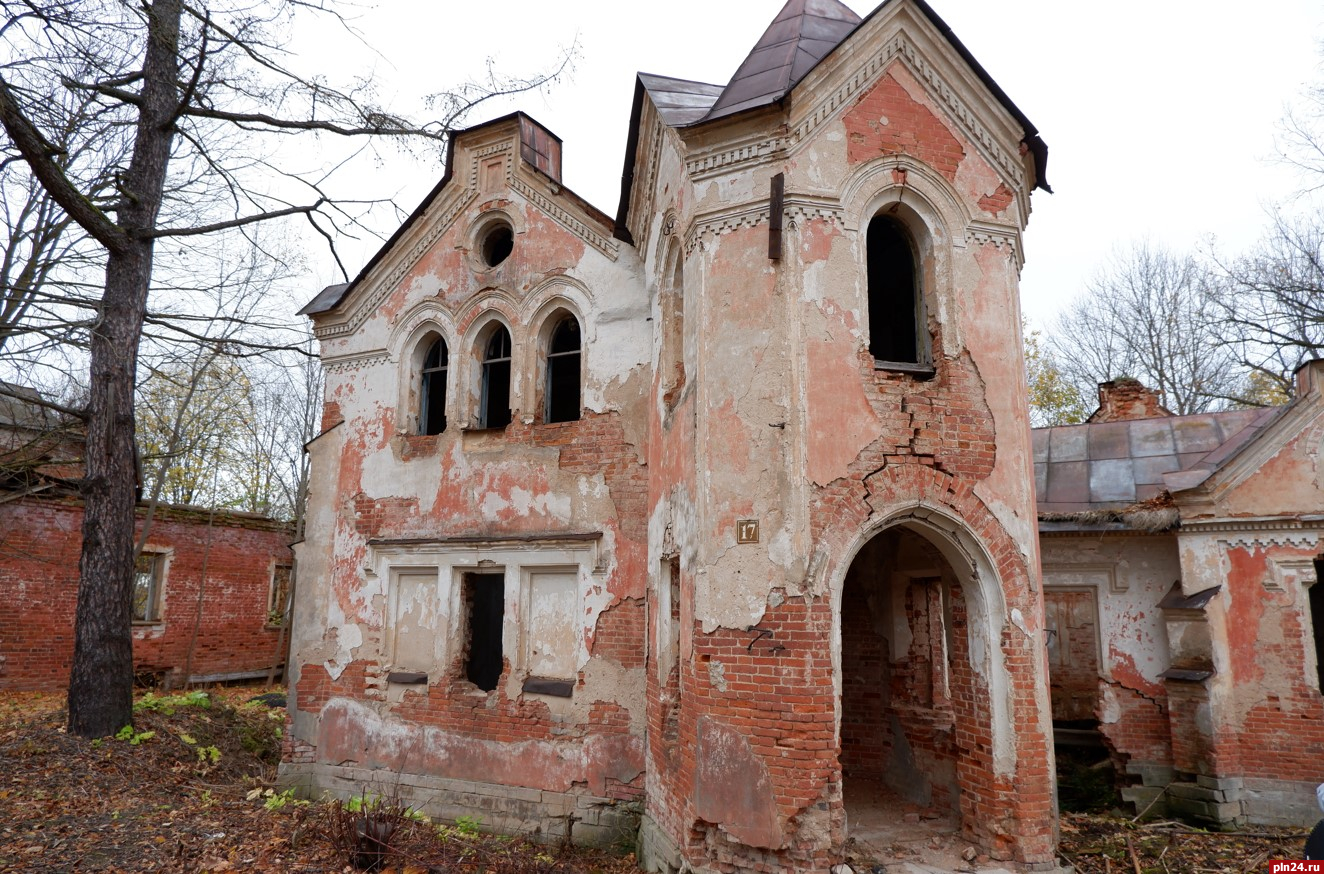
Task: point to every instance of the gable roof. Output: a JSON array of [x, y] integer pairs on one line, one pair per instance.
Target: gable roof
[[801, 35], [1113, 465], [333, 295]]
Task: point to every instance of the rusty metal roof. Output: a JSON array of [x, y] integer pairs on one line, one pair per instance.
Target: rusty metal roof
[[680, 101], [801, 35], [1112, 465]]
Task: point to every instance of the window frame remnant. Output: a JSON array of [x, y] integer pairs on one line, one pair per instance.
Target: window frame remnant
[[898, 324], [1315, 606], [563, 395], [433, 375], [483, 597], [148, 583], [494, 390], [278, 594]]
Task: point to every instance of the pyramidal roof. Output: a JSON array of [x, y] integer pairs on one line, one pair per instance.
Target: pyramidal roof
[[801, 35]]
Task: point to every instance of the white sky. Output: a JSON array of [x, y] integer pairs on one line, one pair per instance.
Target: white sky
[[1159, 114]]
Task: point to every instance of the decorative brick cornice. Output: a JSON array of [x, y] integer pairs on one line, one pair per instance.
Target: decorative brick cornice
[[1000, 237], [347, 363], [598, 240], [372, 299], [1299, 533]]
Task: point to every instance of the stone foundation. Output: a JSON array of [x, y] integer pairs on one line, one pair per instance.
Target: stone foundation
[[538, 814]]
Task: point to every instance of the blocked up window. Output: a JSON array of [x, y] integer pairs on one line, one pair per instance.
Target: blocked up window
[[280, 594], [895, 309], [563, 372], [416, 617], [553, 635], [432, 389], [484, 608], [494, 402], [147, 579]]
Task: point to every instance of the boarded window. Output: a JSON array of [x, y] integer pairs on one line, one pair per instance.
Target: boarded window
[[415, 621], [894, 300], [432, 390], [147, 573], [563, 371], [553, 632], [494, 403], [484, 604]]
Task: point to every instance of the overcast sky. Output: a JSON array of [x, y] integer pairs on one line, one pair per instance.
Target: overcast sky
[[1159, 114]]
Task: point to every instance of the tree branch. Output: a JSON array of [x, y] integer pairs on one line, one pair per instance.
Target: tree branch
[[37, 153], [233, 223]]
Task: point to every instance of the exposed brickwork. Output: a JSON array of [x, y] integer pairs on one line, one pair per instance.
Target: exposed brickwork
[[998, 201], [1121, 400], [620, 633], [886, 120], [39, 545]]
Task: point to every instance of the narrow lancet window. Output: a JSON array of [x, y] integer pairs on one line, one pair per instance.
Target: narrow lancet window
[[432, 389], [563, 354], [895, 316], [494, 404]]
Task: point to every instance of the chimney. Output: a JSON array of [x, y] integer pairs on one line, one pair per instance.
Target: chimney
[[1309, 377], [1124, 399], [540, 147]]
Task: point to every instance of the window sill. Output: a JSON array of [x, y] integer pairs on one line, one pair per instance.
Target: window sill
[[920, 371], [546, 686], [474, 429], [147, 623]]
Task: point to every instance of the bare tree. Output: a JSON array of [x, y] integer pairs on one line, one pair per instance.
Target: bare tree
[[1148, 314], [1270, 302], [198, 90]]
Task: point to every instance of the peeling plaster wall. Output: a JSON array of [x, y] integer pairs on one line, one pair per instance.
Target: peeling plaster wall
[[721, 388], [785, 420], [400, 521], [1125, 577]]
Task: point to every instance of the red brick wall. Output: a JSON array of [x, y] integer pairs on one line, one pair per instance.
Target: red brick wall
[[39, 545]]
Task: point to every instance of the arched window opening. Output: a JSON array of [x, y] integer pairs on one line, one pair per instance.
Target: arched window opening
[[895, 310], [494, 404], [563, 371], [432, 390]]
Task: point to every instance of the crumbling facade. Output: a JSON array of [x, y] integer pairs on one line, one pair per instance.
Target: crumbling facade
[[1181, 561], [722, 507]]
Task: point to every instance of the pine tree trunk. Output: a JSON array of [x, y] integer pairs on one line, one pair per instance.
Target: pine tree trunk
[[101, 678]]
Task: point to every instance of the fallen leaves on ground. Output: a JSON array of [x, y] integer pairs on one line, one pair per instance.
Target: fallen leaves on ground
[[191, 787], [1115, 845]]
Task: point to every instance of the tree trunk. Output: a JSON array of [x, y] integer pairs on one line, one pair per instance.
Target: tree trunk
[[101, 678]]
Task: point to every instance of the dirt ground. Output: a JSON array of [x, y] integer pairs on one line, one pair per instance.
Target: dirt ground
[[191, 788]]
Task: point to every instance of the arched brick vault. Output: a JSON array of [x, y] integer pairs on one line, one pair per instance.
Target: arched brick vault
[[1006, 775]]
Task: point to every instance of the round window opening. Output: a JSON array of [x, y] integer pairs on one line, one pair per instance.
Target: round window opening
[[498, 241]]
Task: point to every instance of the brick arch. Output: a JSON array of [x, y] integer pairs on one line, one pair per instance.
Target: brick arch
[[946, 511]]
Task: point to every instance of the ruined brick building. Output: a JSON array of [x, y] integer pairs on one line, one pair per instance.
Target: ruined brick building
[[1181, 564], [209, 587], [720, 510]]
